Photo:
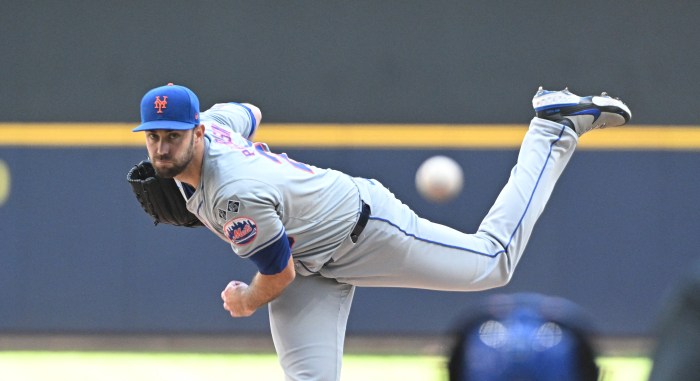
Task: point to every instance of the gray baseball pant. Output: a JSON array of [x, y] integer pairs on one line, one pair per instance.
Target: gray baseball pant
[[399, 249]]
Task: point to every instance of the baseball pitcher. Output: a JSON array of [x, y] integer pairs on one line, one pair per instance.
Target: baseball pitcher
[[315, 234]]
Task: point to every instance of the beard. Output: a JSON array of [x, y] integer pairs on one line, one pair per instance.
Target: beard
[[177, 164]]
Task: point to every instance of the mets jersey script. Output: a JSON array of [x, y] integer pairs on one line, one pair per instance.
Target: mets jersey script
[[265, 204]]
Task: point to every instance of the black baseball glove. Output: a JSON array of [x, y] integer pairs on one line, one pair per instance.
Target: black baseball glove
[[160, 198]]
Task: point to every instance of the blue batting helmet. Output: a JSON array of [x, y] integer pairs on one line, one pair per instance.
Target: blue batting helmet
[[524, 337]]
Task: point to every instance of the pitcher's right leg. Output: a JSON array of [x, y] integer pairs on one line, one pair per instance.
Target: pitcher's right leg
[[308, 327], [400, 249]]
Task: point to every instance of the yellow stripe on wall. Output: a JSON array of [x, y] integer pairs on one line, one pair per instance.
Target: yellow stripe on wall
[[358, 136]]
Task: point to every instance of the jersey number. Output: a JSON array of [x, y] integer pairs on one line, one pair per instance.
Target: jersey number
[[264, 150], [223, 136]]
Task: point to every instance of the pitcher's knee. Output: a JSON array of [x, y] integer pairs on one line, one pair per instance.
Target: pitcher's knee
[[494, 281], [309, 369], [496, 276], [310, 375], [502, 280]]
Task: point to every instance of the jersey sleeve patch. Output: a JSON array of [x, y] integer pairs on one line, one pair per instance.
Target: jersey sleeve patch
[[273, 258], [241, 230]]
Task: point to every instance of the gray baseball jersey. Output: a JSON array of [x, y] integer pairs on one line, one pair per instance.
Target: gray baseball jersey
[[260, 202], [263, 204]]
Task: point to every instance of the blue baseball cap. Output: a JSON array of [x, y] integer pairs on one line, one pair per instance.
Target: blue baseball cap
[[169, 107]]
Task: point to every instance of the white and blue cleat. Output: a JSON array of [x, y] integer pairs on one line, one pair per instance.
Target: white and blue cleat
[[582, 114]]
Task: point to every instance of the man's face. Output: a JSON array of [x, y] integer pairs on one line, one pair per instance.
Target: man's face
[[170, 151]]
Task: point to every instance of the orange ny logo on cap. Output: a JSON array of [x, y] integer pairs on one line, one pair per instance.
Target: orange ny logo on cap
[[160, 104]]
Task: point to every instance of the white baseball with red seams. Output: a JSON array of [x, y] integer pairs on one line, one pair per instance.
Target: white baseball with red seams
[[439, 179]]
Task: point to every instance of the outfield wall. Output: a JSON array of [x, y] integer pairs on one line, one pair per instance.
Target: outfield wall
[[79, 255]]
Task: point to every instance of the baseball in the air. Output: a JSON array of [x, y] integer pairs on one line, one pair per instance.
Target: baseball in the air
[[439, 179]]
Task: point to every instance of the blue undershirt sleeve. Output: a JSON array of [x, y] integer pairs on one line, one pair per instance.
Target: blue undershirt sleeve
[[274, 258]]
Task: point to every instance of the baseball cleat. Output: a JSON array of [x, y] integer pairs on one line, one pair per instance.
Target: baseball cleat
[[582, 114]]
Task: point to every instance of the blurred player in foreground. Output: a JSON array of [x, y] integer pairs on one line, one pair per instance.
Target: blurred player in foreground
[[677, 352], [315, 234], [524, 337]]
